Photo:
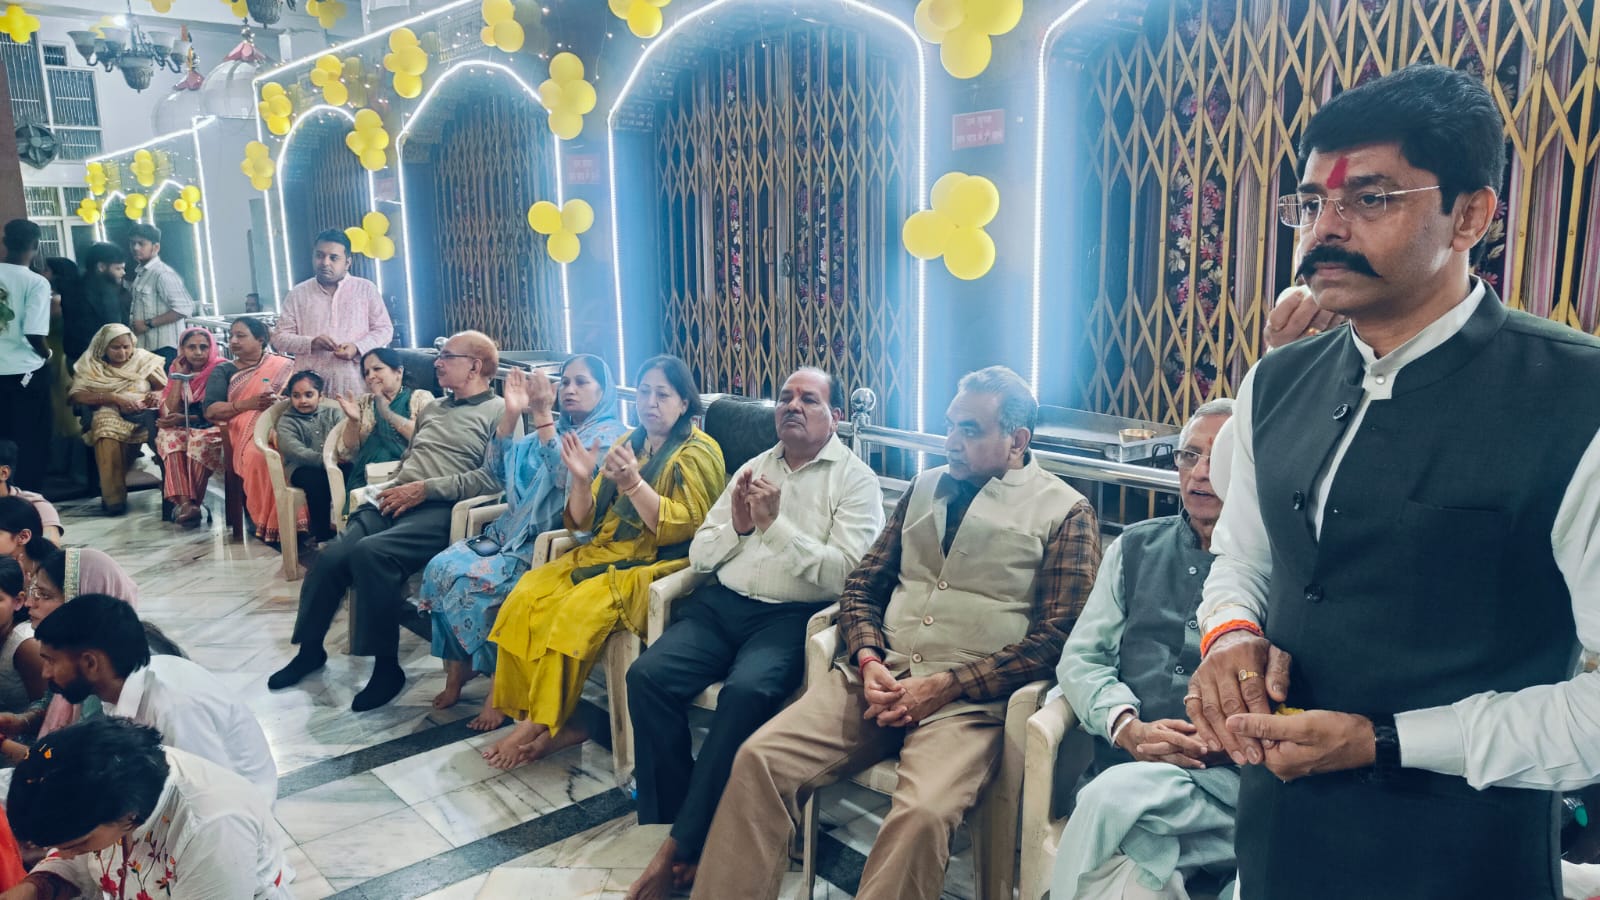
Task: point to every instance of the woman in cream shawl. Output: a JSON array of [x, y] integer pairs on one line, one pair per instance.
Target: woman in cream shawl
[[122, 384]]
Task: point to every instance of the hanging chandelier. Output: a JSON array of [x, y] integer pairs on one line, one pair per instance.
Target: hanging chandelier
[[136, 52]]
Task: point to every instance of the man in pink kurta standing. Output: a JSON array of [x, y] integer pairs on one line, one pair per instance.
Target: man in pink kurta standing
[[328, 322]]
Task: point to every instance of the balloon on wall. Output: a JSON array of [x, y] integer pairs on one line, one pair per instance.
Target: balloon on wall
[[500, 26], [371, 237], [89, 210], [643, 16], [133, 206], [567, 96], [258, 166], [144, 168], [94, 175], [275, 108], [329, 76], [562, 224], [953, 228], [963, 29], [188, 204], [17, 24], [368, 141], [327, 12], [407, 61]]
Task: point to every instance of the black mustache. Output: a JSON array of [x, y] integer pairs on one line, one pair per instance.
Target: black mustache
[[1328, 253]]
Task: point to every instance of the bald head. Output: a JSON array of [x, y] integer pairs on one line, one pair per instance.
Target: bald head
[[467, 362]]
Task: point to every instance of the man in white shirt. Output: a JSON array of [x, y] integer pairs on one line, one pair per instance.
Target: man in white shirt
[[1406, 552], [95, 644], [331, 320], [792, 523], [126, 817], [160, 299], [24, 377]]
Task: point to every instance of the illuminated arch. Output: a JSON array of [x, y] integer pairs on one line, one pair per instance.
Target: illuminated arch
[[280, 183]]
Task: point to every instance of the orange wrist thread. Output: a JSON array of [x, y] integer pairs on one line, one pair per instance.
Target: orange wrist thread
[[1226, 627]]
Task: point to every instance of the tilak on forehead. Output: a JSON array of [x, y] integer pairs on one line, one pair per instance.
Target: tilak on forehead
[[1336, 177]]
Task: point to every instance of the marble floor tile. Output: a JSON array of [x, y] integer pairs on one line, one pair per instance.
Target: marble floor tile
[[461, 890], [513, 884], [374, 848], [576, 773], [477, 811], [437, 772], [335, 806]]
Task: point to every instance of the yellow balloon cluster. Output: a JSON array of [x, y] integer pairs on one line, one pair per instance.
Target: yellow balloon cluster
[[99, 28], [239, 8], [275, 108], [327, 12], [962, 29], [329, 75], [257, 165], [144, 167], [161, 6], [962, 205], [643, 16], [134, 205], [188, 204], [407, 60], [500, 26], [89, 210], [94, 175], [563, 224], [372, 237], [17, 24], [567, 96], [369, 140]]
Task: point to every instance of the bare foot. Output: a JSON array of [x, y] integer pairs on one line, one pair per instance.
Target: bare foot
[[456, 675], [659, 877], [488, 719], [512, 750], [545, 744]]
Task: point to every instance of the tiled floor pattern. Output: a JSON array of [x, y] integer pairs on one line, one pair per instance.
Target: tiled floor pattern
[[398, 827]]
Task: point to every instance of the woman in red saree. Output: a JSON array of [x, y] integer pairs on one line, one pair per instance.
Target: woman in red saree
[[237, 393]]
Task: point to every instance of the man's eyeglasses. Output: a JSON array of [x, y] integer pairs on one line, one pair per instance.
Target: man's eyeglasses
[[1301, 210], [1187, 459], [445, 354]]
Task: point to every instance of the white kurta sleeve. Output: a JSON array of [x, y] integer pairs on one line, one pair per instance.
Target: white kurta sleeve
[[1542, 737], [1237, 585], [219, 860], [1090, 669]]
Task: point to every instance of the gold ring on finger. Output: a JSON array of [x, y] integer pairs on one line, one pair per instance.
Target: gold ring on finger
[[1188, 697], [1246, 675], [1313, 331]]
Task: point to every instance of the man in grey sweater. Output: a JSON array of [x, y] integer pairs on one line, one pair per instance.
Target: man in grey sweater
[[395, 535]]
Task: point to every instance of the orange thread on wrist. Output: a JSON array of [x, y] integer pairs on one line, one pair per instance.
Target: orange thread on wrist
[[1226, 627]]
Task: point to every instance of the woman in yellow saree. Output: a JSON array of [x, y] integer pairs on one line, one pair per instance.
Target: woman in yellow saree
[[634, 524]]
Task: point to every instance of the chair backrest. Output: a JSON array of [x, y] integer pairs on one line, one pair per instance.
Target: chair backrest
[[330, 447], [419, 370], [267, 425], [742, 427]]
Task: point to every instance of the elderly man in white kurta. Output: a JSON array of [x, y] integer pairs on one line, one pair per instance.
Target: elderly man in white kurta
[[331, 320]]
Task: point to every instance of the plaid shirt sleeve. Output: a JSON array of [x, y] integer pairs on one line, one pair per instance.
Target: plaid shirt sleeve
[[867, 589], [1066, 575], [170, 288]]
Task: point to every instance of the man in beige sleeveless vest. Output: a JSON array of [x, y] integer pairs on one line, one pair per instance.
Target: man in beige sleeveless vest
[[966, 596]]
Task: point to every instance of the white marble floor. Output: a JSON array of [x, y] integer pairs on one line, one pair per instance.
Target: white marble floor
[[397, 803]]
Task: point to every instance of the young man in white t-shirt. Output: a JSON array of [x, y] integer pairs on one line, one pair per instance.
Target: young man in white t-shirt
[[24, 379]]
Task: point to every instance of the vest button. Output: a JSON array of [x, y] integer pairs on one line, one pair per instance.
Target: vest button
[[1193, 571], [1340, 411], [944, 585], [916, 657], [1193, 624], [1299, 500], [927, 620], [1177, 670], [1314, 593], [1381, 379]]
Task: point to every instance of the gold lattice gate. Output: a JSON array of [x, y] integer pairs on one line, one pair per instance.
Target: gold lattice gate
[[782, 163], [491, 158], [1189, 132], [324, 187]]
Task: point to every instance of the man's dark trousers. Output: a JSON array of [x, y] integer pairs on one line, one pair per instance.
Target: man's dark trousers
[[758, 651], [375, 555]]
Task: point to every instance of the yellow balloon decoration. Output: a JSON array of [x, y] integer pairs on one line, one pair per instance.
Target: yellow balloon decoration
[[962, 205], [257, 165], [566, 96], [369, 140], [371, 237], [144, 167], [188, 204], [500, 26], [133, 206], [406, 60], [239, 8], [89, 210], [327, 12], [99, 28], [161, 6], [643, 16], [963, 30], [17, 24], [562, 224], [275, 108], [329, 76], [94, 175]]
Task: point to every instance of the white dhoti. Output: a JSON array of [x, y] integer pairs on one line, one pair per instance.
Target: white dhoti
[[1139, 829]]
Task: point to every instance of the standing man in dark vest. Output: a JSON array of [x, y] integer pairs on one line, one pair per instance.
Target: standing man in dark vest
[[1407, 550]]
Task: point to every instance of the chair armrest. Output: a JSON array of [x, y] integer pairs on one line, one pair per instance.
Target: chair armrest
[[821, 620], [459, 512], [330, 465], [821, 648], [1047, 730], [551, 544], [479, 517], [664, 592]]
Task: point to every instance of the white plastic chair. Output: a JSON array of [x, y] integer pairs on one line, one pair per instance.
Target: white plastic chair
[[289, 499]]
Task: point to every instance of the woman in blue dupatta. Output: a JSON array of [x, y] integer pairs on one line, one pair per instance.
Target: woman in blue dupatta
[[463, 586]]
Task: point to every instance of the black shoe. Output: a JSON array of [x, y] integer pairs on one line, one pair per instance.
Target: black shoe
[[387, 681], [304, 663]]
